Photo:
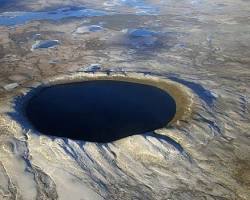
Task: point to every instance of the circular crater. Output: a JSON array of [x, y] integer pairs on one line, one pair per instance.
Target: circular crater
[[100, 110]]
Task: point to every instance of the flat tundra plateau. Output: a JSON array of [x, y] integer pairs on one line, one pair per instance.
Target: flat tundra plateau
[[202, 46]]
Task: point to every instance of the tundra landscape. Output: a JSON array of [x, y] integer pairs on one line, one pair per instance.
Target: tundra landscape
[[125, 99]]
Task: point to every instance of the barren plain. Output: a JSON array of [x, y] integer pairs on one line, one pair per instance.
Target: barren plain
[[202, 46]]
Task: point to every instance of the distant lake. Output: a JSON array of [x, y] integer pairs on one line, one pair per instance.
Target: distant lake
[[16, 18]]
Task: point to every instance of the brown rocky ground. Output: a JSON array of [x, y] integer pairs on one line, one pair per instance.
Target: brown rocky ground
[[204, 46]]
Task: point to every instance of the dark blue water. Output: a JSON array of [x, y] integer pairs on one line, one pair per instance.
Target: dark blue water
[[144, 39], [100, 111], [141, 32], [15, 18], [3, 2], [45, 44]]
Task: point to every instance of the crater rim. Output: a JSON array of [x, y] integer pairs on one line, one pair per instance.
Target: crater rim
[[181, 94]]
